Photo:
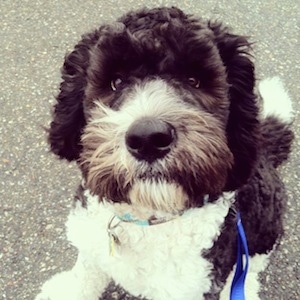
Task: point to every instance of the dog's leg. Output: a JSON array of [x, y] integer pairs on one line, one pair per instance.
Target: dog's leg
[[84, 282]]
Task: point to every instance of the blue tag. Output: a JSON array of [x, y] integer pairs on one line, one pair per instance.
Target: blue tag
[[238, 284]]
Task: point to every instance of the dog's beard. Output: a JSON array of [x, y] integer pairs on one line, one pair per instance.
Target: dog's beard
[[158, 195], [197, 165]]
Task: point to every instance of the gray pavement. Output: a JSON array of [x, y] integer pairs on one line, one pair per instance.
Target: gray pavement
[[36, 189]]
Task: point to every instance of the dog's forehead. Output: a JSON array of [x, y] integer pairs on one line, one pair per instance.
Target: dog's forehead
[[164, 27], [161, 41], [153, 18]]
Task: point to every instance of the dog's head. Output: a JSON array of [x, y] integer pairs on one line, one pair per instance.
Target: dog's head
[[158, 109]]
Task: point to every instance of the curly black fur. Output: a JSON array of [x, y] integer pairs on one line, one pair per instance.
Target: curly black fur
[[242, 126], [261, 203], [68, 116]]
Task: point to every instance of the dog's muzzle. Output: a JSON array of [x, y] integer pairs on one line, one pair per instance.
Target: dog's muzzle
[[150, 139]]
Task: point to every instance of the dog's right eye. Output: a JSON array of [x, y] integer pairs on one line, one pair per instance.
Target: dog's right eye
[[116, 84], [194, 82]]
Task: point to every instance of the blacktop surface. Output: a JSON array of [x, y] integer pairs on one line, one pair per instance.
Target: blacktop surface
[[36, 189]]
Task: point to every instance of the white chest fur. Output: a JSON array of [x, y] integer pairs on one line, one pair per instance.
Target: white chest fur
[[163, 261]]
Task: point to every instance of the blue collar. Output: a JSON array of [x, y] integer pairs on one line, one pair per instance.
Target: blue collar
[[128, 218], [238, 284], [113, 238]]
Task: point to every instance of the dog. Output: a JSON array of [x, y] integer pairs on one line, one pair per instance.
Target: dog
[[161, 114]]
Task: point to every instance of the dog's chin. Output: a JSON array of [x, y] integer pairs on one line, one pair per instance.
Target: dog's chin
[[158, 195]]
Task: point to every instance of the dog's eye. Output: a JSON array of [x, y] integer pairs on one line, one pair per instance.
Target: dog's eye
[[194, 82], [116, 84]]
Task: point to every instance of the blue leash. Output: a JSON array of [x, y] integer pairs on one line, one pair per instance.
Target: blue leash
[[238, 284]]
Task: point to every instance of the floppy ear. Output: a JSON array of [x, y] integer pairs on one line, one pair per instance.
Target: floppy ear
[[68, 116], [243, 125]]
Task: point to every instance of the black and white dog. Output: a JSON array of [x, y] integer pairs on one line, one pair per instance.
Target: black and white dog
[[160, 113]]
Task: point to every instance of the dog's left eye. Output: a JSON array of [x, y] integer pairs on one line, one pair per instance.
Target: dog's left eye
[[194, 82], [116, 84]]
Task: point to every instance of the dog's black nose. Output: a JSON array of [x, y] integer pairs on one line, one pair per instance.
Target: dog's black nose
[[149, 139]]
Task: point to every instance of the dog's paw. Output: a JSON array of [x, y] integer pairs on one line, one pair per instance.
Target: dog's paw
[[72, 285], [42, 297], [59, 287], [65, 286]]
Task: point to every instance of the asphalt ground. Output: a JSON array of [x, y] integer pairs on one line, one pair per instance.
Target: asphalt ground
[[36, 189]]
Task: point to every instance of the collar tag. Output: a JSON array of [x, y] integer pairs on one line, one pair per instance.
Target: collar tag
[[113, 238]]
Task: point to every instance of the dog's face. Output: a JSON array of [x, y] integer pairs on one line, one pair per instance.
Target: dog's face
[[159, 110]]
